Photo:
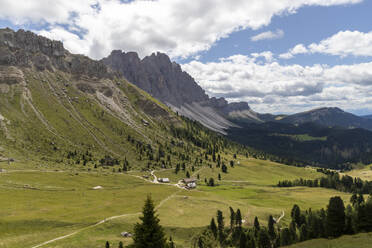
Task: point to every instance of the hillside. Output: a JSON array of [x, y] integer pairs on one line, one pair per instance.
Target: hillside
[[307, 143], [329, 117], [54, 103]]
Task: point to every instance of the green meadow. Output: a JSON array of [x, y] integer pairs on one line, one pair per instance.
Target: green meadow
[[38, 206]]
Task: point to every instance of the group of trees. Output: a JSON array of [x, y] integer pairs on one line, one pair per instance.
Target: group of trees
[[233, 234], [333, 181], [331, 222]]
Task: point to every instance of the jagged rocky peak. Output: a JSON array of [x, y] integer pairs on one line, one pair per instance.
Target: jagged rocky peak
[[27, 49], [159, 76]]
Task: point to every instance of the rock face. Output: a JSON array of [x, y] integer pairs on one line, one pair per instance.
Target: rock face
[[158, 76], [26, 49], [165, 80]]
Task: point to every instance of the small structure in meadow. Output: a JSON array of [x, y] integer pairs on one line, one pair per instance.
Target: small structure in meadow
[[98, 187], [126, 234], [163, 180], [190, 183]]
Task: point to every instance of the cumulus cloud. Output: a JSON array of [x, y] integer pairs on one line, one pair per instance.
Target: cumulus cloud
[[272, 87], [269, 35], [298, 49], [344, 43], [180, 28]]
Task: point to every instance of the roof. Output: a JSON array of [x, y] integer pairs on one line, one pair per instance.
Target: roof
[[189, 180]]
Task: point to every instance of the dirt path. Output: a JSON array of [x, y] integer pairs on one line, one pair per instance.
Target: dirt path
[[102, 222], [280, 218]]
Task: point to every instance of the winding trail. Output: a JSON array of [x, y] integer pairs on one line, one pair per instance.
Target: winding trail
[[102, 222], [280, 218]]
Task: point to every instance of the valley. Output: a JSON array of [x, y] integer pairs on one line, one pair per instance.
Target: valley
[[82, 147]]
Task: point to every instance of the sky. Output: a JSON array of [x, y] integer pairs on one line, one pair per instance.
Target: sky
[[280, 56]]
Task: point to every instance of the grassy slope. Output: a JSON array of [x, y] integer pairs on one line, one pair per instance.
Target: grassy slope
[[63, 201], [361, 240]]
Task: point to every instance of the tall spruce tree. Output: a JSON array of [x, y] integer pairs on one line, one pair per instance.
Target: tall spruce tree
[[271, 228], [335, 217], [149, 233], [213, 228]]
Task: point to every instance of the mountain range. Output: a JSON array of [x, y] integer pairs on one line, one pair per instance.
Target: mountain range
[[54, 103], [166, 81]]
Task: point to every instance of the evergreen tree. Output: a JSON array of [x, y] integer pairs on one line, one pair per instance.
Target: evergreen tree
[[107, 244], [296, 215], [285, 237], [219, 176], [243, 240], [149, 233], [211, 182], [335, 217], [187, 174], [303, 232], [292, 231], [121, 245], [220, 226], [213, 228], [263, 239], [232, 218], [224, 168], [238, 218], [349, 225], [171, 243], [256, 225], [270, 228]]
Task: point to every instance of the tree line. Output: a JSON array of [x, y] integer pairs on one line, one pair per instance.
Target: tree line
[[331, 222], [333, 181]]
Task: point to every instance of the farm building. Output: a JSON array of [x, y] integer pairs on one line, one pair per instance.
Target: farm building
[[190, 182], [163, 180]]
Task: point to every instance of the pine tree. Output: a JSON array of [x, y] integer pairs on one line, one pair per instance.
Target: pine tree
[[238, 218], [296, 215], [263, 239], [303, 232], [335, 217], [219, 176], [187, 174], [171, 243], [256, 225], [270, 227], [220, 226], [285, 237], [213, 228], [107, 244], [149, 233], [121, 245], [232, 218]]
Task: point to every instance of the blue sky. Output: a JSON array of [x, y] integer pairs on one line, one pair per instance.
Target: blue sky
[[306, 54], [308, 25]]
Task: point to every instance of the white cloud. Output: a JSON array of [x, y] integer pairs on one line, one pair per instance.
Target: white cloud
[[267, 55], [180, 28], [298, 49], [271, 87], [344, 43], [269, 35]]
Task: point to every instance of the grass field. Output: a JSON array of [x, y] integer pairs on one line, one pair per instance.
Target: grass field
[[40, 206], [361, 240]]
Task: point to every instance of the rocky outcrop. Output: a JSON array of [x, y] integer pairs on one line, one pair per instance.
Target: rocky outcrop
[[166, 81], [157, 75], [26, 49]]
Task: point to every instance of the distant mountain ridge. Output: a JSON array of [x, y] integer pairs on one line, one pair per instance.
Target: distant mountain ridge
[[166, 81], [329, 117]]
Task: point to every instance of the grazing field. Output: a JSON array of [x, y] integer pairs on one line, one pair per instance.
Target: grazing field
[[40, 206], [361, 240]]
